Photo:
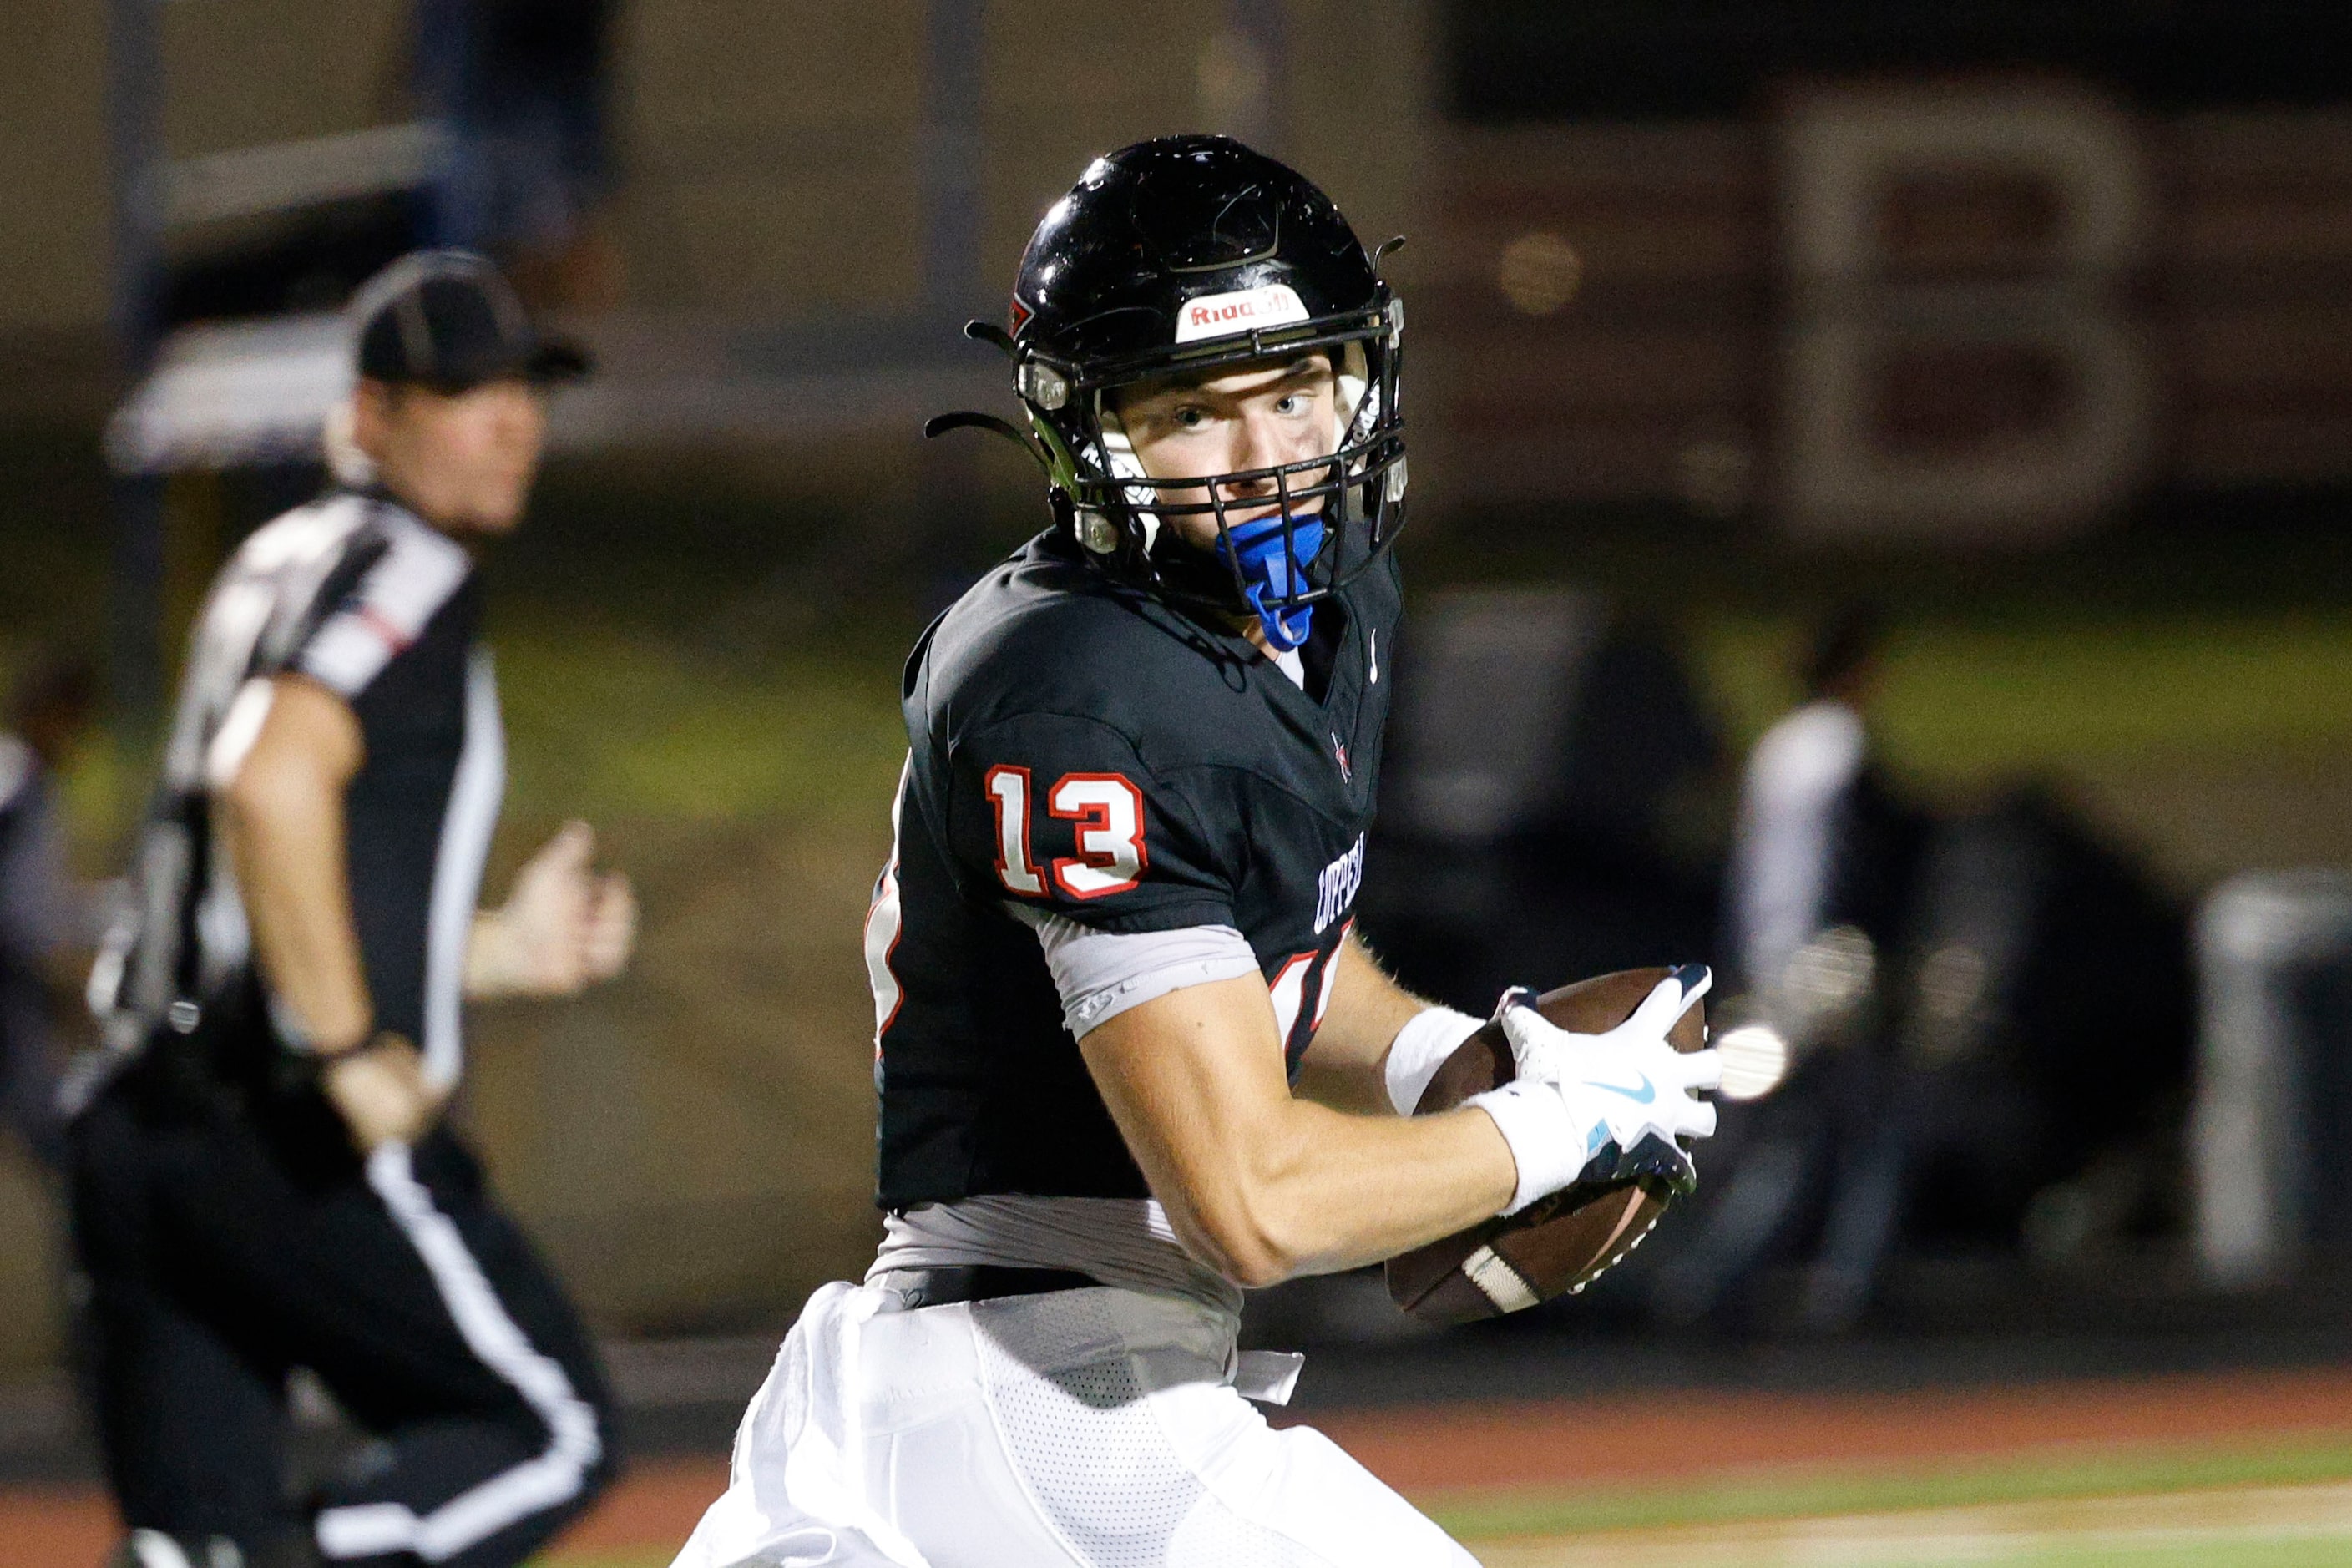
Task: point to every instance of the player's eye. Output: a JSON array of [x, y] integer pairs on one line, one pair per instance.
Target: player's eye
[[1189, 417], [1291, 403]]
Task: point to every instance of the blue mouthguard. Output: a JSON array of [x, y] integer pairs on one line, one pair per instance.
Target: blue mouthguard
[[1268, 571]]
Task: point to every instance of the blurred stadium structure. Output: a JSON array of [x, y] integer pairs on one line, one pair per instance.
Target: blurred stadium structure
[[2028, 323]]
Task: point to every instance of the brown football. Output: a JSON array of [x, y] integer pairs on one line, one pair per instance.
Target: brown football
[[1556, 1245]]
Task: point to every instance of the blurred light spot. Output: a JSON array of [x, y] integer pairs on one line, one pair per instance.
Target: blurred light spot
[[1951, 989], [1755, 1060], [1539, 273], [1952, 981], [1827, 983]]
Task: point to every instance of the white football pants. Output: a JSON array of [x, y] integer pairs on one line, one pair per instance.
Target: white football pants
[[1078, 1429]]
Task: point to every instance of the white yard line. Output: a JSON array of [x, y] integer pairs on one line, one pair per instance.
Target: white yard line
[[1991, 1533]]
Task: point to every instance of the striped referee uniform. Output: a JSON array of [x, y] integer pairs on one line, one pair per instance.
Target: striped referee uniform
[[227, 1228]]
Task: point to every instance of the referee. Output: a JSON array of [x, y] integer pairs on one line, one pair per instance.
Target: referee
[[260, 1178]]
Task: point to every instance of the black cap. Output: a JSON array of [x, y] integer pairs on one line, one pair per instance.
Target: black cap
[[448, 320]]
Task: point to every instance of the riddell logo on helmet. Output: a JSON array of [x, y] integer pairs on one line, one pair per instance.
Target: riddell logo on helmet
[[1243, 310]]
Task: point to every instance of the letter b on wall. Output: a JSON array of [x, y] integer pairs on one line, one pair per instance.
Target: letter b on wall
[[1959, 361]]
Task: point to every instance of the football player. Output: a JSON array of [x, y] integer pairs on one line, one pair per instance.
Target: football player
[[1131, 1058]]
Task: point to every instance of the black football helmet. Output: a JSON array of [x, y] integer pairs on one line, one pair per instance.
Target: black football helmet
[[1186, 253]]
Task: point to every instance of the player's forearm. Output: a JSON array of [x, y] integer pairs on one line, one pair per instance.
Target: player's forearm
[[1260, 1184], [1334, 1191]]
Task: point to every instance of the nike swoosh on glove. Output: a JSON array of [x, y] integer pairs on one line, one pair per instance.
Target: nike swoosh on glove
[[1603, 1107]]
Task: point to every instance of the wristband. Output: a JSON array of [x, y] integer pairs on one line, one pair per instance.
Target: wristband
[[1420, 1048], [1547, 1147], [294, 1040], [301, 1064]]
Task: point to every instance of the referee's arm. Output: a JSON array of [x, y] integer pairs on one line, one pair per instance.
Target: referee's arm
[[285, 827], [564, 928]]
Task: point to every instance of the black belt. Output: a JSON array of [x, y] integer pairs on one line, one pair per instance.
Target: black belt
[[980, 1282]]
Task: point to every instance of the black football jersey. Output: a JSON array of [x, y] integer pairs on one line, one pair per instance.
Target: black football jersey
[[1080, 748]]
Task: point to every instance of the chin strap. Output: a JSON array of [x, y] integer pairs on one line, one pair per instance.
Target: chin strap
[[1271, 574]]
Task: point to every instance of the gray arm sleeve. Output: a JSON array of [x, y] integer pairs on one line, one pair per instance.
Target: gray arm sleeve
[[1101, 975]]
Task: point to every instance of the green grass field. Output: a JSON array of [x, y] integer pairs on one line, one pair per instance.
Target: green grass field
[[633, 722], [628, 714], [630, 723], [2056, 691], [1777, 1495]]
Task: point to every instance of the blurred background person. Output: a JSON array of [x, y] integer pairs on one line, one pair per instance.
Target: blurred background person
[[1986, 1007], [265, 1181], [1822, 838], [48, 917], [1820, 879]]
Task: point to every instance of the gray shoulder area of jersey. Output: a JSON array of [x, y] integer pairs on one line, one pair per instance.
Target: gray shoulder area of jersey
[[1046, 637], [413, 573], [327, 530], [318, 530], [1100, 974]]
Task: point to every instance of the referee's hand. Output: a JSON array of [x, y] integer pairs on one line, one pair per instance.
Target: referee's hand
[[564, 928], [380, 1094]]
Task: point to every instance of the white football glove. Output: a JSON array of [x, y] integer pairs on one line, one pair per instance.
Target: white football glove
[[1605, 1107]]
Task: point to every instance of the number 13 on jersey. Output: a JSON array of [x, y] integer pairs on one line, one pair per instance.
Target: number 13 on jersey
[[1108, 811]]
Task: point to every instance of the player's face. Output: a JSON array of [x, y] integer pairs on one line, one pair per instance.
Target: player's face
[[1257, 415], [463, 460]]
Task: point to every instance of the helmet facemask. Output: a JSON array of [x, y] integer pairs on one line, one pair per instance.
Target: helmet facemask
[[1331, 516]]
